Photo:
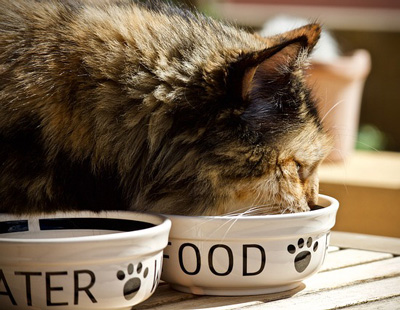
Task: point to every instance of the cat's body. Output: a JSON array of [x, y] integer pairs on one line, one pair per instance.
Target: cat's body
[[120, 106]]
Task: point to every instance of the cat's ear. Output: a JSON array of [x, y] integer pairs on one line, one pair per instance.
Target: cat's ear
[[273, 65]]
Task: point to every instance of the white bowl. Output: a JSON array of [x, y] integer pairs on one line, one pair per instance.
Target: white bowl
[[80, 260], [247, 255]]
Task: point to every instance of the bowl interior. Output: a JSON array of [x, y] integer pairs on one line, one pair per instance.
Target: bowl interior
[[68, 227], [74, 224]]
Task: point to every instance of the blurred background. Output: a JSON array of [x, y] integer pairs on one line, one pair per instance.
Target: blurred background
[[366, 180]]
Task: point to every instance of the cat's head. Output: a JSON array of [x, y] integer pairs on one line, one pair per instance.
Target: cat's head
[[255, 144]]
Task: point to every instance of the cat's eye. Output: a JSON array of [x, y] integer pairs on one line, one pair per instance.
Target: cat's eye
[[298, 165]]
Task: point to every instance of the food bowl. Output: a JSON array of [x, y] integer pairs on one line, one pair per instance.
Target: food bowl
[[247, 255], [80, 260]]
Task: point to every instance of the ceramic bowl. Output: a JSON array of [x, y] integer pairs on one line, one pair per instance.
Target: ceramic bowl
[[247, 255], [81, 260]]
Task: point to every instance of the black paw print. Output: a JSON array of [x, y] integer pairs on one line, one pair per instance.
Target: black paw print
[[132, 285], [302, 259]]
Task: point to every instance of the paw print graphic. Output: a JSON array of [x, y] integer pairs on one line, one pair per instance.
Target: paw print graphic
[[132, 285], [303, 258]]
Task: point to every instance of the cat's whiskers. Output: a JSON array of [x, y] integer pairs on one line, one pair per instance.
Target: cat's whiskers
[[285, 210], [239, 212], [259, 197], [235, 215], [331, 109], [354, 136], [233, 220], [236, 218]]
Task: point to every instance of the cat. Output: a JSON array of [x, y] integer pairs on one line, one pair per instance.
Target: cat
[[153, 107]]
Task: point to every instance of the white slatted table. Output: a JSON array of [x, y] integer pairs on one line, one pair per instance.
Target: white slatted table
[[360, 272]]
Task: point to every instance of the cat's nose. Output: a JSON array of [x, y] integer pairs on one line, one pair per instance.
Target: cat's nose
[[312, 192], [312, 202], [312, 198]]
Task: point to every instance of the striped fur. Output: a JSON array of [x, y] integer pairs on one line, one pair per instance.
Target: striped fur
[[118, 105]]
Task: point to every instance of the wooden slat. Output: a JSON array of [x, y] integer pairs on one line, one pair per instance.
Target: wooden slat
[[350, 257], [344, 270], [164, 294], [352, 275], [366, 242], [392, 303], [220, 302], [339, 298], [319, 283], [332, 248]]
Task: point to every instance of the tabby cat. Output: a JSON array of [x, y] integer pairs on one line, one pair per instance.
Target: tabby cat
[[152, 107]]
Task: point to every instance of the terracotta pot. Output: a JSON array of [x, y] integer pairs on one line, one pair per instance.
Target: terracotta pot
[[338, 88]]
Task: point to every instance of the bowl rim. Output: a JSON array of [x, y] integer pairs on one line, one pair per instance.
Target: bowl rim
[[332, 207], [162, 227]]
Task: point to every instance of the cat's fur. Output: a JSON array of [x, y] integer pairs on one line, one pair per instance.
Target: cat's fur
[[152, 108]]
